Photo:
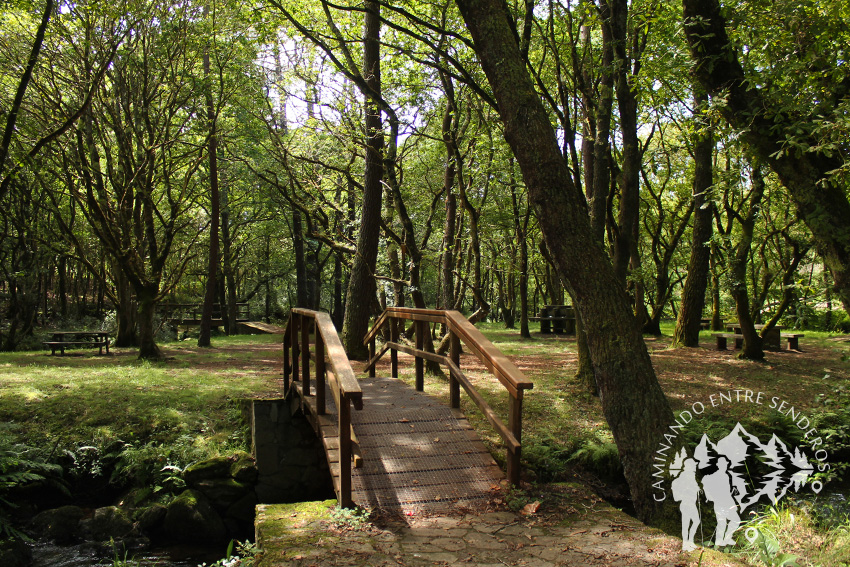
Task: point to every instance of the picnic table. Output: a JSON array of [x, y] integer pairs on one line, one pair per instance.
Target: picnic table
[[556, 318], [65, 339], [773, 340]]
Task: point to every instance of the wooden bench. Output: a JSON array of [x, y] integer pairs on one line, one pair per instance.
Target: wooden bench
[[723, 337], [62, 345], [793, 340]]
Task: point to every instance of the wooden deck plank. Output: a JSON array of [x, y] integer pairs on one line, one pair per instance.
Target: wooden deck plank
[[419, 455]]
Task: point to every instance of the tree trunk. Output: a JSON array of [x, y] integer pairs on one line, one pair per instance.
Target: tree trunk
[[632, 400], [12, 111], [146, 297], [738, 259], [227, 267], [213, 258], [449, 129], [598, 111], [63, 286], [521, 230], [126, 313], [300, 262], [693, 294], [716, 318], [625, 242], [361, 284]]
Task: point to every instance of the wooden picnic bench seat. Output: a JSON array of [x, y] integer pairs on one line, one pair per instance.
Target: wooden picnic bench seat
[[62, 345], [793, 340], [723, 337]]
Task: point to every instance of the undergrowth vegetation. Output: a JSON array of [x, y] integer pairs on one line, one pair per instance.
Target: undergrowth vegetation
[[123, 423], [787, 535]]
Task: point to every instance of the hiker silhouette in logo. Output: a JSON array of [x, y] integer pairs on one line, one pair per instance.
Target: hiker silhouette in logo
[[718, 489], [685, 489]]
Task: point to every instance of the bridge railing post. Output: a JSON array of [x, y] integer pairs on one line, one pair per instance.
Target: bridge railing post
[[515, 425], [344, 429], [419, 329], [454, 385], [287, 369], [293, 340], [305, 355], [393, 352], [372, 357], [320, 373]]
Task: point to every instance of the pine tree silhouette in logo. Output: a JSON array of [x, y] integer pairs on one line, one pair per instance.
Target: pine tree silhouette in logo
[[723, 473]]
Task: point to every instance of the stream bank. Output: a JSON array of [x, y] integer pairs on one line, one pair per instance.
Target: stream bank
[[212, 504]]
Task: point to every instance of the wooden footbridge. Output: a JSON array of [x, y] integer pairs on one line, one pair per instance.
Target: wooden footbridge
[[401, 450]]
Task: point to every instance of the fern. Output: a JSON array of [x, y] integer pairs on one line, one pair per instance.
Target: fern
[[599, 455], [17, 469]]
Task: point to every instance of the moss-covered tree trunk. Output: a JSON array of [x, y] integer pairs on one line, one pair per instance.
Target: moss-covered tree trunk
[[632, 400]]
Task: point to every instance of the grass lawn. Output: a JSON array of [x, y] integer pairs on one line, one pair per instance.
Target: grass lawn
[[83, 399]]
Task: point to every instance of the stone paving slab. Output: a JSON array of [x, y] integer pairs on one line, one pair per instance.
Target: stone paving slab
[[586, 531]]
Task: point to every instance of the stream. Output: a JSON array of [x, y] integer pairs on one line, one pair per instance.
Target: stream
[[93, 555]]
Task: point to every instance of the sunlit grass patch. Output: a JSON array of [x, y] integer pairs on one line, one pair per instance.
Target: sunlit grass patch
[[72, 400], [781, 535]]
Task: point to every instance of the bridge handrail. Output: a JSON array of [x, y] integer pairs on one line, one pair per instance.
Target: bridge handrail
[[243, 310], [460, 330], [343, 383]]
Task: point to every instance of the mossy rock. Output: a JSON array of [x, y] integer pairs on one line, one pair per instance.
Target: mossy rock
[[150, 518], [109, 522], [244, 469], [61, 525], [217, 467], [222, 492], [191, 518]]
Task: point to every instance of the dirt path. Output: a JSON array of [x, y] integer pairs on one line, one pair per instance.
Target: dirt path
[[572, 527]]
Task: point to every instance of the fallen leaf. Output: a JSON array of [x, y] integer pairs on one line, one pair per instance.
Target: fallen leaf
[[530, 509]]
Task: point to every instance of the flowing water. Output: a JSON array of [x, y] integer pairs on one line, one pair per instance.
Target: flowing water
[[93, 555]]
